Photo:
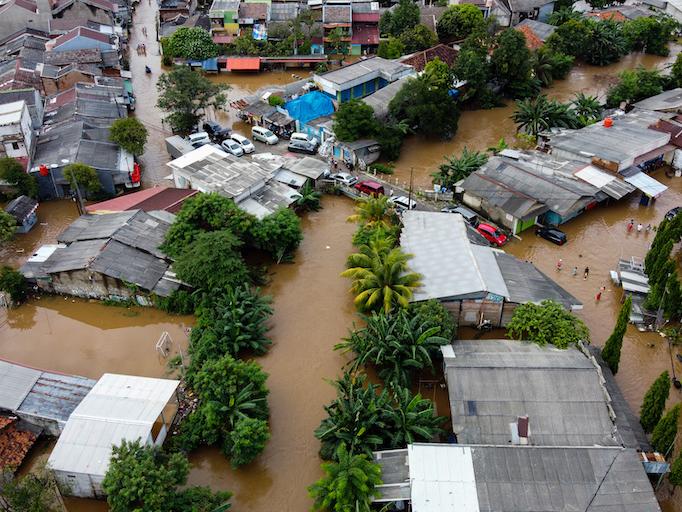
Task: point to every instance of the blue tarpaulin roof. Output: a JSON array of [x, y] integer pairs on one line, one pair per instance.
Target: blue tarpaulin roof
[[210, 64], [310, 106]]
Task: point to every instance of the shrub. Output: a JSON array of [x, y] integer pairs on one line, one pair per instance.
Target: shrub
[[275, 101], [546, 323], [381, 168], [13, 282]]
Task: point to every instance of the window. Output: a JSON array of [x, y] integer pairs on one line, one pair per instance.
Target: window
[[15, 145]]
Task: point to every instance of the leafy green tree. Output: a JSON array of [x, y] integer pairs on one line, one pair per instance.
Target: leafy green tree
[[13, 282], [130, 134], [418, 38], [367, 233], [230, 322], [546, 323], [634, 85], [428, 111], [587, 108], [354, 120], [472, 66], [205, 213], [309, 200], [571, 38], [370, 211], [650, 34], [438, 74], [404, 17], [399, 345], [654, 402], [245, 45], [192, 43], [35, 492], [82, 177], [511, 62], [412, 419], [665, 431], [8, 226], [455, 168], [675, 475], [12, 172], [538, 114], [381, 278], [335, 42], [279, 234], [613, 345], [354, 417], [561, 16], [675, 75], [246, 441], [392, 48], [433, 314], [184, 94], [550, 65], [212, 261], [458, 21], [145, 479], [606, 43], [349, 485], [390, 137]]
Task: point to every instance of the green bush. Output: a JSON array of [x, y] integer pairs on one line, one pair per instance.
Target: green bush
[[180, 302], [381, 168], [275, 101], [13, 282], [546, 323]]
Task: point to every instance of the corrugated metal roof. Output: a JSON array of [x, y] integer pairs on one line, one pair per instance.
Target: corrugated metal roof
[[15, 383], [55, 396], [605, 182], [646, 184]]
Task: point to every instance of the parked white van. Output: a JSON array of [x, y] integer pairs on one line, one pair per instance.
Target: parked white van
[[264, 135], [305, 137]]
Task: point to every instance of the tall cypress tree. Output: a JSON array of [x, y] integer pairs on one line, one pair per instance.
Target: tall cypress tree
[[613, 345], [675, 475], [664, 434], [654, 402]]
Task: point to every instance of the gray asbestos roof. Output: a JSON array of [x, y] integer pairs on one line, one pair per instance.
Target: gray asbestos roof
[[386, 68], [493, 382], [15, 384], [540, 29], [55, 396], [283, 11], [668, 101], [76, 256], [89, 227], [129, 264], [308, 166], [380, 99]]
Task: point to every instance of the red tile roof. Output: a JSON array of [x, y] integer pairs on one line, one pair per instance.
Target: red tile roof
[[533, 42], [366, 17], [15, 444], [256, 11], [6, 420], [26, 4], [61, 99], [365, 35], [243, 63], [608, 15], [419, 60], [156, 198]]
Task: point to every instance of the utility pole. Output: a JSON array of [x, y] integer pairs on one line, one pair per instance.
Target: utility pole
[[79, 199], [409, 196], [659, 312]]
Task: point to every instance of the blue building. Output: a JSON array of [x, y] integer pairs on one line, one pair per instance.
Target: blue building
[[23, 209]]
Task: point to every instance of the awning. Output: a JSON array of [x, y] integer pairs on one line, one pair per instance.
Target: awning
[[243, 63], [646, 184], [210, 64], [605, 182], [654, 153]]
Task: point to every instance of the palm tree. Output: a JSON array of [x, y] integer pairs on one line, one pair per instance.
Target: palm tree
[[539, 114], [457, 168], [499, 147], [348, 485], [412, 419], [607, 43], [354, 417], [587, 108], [381, 277], [398, 345], [309, 200], [563, 15], [542, 67], [370, 211]]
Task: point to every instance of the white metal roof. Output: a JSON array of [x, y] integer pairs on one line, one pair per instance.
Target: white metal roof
[[594, 176], [10, 113], [16, 382], [290, 178], [118, 407], [442, 478], [646, 184]]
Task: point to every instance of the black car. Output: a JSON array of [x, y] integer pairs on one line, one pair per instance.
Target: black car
[[554, 235], [302, 146], [670, 215], [215, 131]]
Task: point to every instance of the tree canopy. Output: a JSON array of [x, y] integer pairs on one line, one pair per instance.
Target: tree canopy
[[548, 322], [654, 402], [458, 22], [82, 177], [664, 433], [278, 233], [12, 172], [392, 48], [8, 226], [634, 85], [418, 38], [511, 63], [650, 34], [613, 345], [456, 168], [184, 94], [595, 42], [535, 115], [191, 43], [404, 17], [130, 134], [354, 120]]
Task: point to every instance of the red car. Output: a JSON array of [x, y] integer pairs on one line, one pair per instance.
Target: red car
[[492, 234]]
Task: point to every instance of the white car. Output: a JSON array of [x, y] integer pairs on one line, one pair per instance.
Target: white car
[[199, 139], [232, 147], [245, 143], [344, 178], [305, 137], [264, 135], [403, 202]]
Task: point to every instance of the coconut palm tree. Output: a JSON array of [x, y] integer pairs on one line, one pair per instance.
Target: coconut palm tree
[[397, 344], [456, 168], [381, 278], [587, 108], [542, 67], [370, 211], [411, 419], [354, 417], [309, 200], [539, 114], [348, 485]]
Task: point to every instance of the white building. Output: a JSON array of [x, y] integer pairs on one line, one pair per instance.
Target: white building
[[16, 133], [119, 407]]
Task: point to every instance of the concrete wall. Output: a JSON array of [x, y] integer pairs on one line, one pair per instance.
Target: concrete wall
[[87, 284], [492, 212], [18, 139], [80, 485], [55, 85], [81, 11], [50, 426]]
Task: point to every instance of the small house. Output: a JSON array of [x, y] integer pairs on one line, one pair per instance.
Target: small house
[[118, 408], [152, 199], [359, 153], [530, 9], [535, 32], [81, 38], [23, 209], [17, 139]]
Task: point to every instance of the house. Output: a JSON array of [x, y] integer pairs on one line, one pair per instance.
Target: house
[[105, 60], [454, 477], [253, 19], [379, 100], [296, 172], [359, 153], [249, 183], [100, 11], [42, 399], [23, 209], [112, 256], [17, 15], [419, 60], [337, 17], [117, 408], [534, 9], [34, 102], [16, 440], [667, 101], [429, 15], [620, 13], [521, 189], [365, 28], [148, 200], [361, 78], [81, 38], [224, 16], [475, 283], [17, 139], [535, 32], [55, 79]]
